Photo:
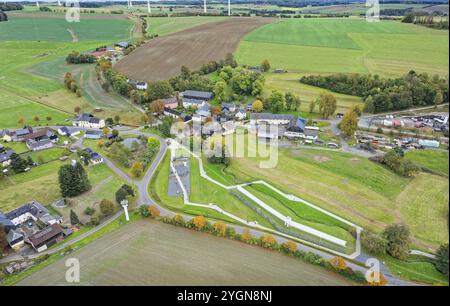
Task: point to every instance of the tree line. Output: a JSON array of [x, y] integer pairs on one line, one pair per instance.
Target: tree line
[[426, 20], [386, 94], [80, 58], [10, 7]]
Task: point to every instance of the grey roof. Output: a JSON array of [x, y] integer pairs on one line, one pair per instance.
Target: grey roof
[[169, 100], [5, 221], [311, 132], [173, 112], [33, 208], [205, 95], [192, 101], [269, 116], [5, 156], [13, 236], [23, 132], [94, 133], [40, 143], [88, 118]]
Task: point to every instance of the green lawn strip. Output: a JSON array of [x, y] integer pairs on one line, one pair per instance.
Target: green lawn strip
[[114, 225], [301, 212], [416, 268], [45, 156], [206, 192], [434, 161], [19, 147]]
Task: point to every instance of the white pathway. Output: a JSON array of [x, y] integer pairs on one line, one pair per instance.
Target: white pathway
[[286, 219]]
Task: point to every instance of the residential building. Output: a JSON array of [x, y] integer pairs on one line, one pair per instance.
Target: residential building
[[241, 114], [89, 121], [94, 157], [7, 224], [68, 131], [171, 103], [6, 135], [47, 237], [172, 113], [231, 107], [5, 157]]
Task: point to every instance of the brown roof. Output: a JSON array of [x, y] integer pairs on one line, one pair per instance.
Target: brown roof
[[40, 133], [46, 234]]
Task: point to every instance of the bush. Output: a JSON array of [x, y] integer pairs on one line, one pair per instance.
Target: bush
[[373, 243], [106, 207], [397, 236], [89, 211], [144, 211]]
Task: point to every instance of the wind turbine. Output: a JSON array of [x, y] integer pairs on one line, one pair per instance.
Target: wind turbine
[[37, 4], [204, 6], [131, 4], [59, 2], [229, 7]]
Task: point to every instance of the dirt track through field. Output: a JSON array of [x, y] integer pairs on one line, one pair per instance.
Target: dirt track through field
[[162, 58]]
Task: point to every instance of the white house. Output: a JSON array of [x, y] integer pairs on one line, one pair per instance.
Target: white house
[[241, 115], [89, 121]]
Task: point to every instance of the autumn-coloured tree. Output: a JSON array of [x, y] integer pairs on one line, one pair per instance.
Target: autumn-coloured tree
[[48, 118], [338, 263], [220, 228], [246, 236], [290, 246], [154, 211], [257, 106], [199, 222], [157, 107], [215, 110], [178, 219], [100, 143], [327, 104], [21, 120], [268, 241], [105, 130], [77, 109], [349, 124], [36, 119], [377, 279], [137, 168]]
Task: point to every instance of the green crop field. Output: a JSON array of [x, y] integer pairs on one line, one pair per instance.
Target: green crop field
[[58, 29], [320, 45], [164, 26]]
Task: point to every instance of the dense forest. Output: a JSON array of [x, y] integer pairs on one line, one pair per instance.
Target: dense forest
[[385, 94]]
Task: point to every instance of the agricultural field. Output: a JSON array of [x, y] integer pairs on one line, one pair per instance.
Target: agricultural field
[[137, 255], [158, 59], [319, 45], [32, 72], [164, 26], [54, 27]]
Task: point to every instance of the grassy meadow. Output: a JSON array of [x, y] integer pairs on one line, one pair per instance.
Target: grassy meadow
[[319, 45], [435, 161]]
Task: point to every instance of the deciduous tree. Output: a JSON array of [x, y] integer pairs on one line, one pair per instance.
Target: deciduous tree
[[106, 207], [327, 104], [257, 106], [398, 240]]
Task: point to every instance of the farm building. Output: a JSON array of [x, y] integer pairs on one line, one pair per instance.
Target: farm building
[[172, 113], [67, 131], [93, 134], [37, 145], [32, 210], [197, 95], [267, 118], [89, 121], [47, 237], [6, 136], [231, 107]]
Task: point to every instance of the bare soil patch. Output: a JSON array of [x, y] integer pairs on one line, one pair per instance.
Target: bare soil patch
[[321, 159], [161, 58]]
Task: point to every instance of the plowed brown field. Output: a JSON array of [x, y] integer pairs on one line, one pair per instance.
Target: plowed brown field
[[162, 58]]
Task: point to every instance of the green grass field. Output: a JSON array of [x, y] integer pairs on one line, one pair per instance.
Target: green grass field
[[423, 206], [57, 29], [165, 26], [435, 161], [322, 45]]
